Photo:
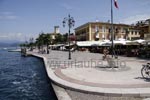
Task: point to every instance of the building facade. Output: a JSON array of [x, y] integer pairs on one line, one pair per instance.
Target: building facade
[[96, 31], [55, 33], [147, 34], [134, 34], [144, 27]]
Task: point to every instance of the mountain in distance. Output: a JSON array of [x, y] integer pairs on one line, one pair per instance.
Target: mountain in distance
[[4, 44], [10, 44]]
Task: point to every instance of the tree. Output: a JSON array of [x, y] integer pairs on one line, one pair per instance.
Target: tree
[[43, 39], [47, 41], [31, 43], [58, 38], [65, 37], [39, 41]]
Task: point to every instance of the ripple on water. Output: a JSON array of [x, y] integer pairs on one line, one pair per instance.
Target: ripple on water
[[23, 78], [15, 82]]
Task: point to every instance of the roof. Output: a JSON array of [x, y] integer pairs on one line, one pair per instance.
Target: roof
[[99, 23]]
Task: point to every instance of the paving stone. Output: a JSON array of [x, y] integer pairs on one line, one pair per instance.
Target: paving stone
[[94, 83]]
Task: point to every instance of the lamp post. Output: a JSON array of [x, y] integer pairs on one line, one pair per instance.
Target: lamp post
[[112, 30], [70, 22]]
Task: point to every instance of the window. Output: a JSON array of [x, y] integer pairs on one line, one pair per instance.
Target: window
[[131, 32], [103, 29]]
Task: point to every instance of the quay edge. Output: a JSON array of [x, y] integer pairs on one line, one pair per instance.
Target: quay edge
[[59, 91]]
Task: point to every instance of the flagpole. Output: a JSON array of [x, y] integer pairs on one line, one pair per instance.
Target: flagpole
[[112, 30]]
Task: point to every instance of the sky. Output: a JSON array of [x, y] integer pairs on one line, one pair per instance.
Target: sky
[[24, 19]]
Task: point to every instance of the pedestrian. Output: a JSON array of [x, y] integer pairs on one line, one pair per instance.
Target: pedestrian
[[105, 52]]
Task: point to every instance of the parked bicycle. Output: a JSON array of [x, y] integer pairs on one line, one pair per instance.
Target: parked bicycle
[[145, 71]]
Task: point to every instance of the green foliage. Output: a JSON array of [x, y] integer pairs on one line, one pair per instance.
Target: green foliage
[[58, 38], [65, 37], [43, 39], [61, 38], [22, 45]]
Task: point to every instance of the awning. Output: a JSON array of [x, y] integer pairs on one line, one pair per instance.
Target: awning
[[139, 41], [92, 43], [106, 43]]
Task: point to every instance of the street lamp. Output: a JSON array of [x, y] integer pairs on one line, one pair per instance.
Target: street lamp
[[70, 22]]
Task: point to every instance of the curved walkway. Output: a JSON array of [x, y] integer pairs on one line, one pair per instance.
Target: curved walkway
[[109, 84], [94, 80]]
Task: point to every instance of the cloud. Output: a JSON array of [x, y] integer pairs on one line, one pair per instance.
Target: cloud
[[3, 36], [10, 17], [6, 13], [7, 16], [12, 36], [133, 19], [18, 36]]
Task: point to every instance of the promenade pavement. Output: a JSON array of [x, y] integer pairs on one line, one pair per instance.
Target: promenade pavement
[[88, 73]]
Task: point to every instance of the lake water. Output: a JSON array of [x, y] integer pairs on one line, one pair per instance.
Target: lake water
[[23, 78]]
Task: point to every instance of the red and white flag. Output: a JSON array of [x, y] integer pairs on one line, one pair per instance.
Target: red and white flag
[[116, 4]]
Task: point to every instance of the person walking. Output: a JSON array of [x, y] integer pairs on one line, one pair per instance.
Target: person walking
[[105, 52]]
